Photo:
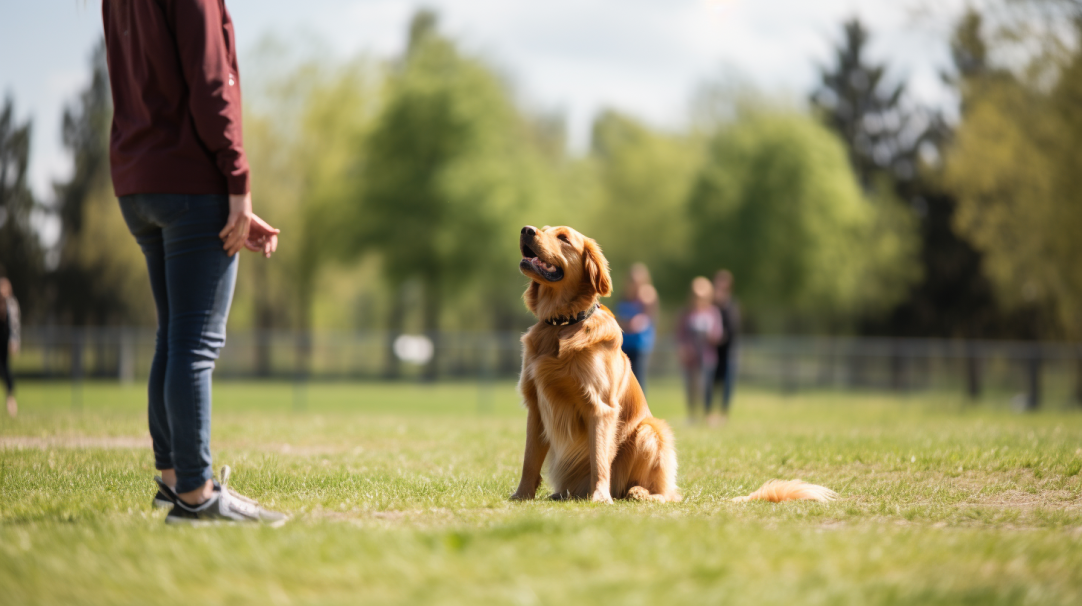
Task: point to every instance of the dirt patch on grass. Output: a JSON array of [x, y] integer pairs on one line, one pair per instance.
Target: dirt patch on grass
[[45, 443]]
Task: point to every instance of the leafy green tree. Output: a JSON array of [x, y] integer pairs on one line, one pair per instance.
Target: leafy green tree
[[101, 276], [643, 181], [778, 204], [21, 255], [1014, 168], [448, 171], [885, 138]]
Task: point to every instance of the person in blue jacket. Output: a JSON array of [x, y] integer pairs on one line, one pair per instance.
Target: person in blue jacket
[[637, 314]]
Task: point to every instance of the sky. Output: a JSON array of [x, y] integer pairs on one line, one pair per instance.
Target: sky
[[575, 57]]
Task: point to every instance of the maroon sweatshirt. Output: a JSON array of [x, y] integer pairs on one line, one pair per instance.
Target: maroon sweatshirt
[[176, 98]]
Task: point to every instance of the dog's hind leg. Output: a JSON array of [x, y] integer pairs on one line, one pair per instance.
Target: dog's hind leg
[[646, 464]]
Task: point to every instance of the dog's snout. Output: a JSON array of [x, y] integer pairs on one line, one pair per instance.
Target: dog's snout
[[529, 230]]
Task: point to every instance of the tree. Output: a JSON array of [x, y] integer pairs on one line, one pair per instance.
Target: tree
[[303, 145], [448, 171], [778, 204], [897, 149], [20, 250], [101, 275], [856, 102], [644, 178], [1014, 169]]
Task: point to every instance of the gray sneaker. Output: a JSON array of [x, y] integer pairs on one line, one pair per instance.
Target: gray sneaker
[[165, 497], [224, 506]]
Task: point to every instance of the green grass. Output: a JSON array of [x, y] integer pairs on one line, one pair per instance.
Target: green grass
[[399, 496]]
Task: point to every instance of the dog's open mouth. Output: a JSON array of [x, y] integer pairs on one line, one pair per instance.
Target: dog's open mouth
[[531, 261]]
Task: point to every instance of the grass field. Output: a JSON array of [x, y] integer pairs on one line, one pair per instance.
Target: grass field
[[399, 496]]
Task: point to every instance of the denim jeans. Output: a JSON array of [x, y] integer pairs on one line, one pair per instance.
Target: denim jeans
[[726, 375], [192, 280]]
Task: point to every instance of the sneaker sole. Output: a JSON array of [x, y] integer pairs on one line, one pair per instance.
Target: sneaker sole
[[162, 503]]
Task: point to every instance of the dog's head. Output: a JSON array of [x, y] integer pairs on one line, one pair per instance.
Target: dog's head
[[566, 269]]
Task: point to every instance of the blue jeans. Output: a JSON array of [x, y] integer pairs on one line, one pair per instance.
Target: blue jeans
[[726, 375], [192, 279]]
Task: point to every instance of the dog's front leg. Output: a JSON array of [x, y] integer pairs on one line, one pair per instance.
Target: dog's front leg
[[536, 447], [601, 427]]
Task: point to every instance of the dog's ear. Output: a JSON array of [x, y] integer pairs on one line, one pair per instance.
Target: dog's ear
[[597, 268]]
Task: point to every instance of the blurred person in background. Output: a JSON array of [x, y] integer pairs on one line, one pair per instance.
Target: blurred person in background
[[9, 340], [637, 314], [179, 168], [727, 354], [698, 333]]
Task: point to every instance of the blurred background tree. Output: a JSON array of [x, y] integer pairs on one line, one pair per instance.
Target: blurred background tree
[[896, 148], [1014, 168], [643, 179], [449, 171], [778, 204], [100, 275], [21, 254]]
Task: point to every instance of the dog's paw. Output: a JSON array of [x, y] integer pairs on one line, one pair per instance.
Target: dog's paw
[[521, 496], [601, 496]]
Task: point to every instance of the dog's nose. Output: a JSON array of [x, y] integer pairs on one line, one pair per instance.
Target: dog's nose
[[529, 230]]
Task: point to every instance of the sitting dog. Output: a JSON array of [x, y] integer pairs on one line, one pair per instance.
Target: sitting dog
[[585, 410]]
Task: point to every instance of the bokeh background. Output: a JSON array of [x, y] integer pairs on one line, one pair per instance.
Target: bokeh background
[[895, 188]]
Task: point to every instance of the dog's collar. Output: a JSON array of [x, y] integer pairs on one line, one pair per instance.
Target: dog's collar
[[575, 319]]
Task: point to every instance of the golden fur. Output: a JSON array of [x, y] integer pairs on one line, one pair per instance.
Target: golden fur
[[776, 491], [586, 414]]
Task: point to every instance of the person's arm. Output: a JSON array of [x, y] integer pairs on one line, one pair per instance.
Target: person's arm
[[203, 39]]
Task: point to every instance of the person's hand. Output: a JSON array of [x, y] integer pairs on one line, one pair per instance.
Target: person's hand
[[639, 323], [235, 233], [262, 237]]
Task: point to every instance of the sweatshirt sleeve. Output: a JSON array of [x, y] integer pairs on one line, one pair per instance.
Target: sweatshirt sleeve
[[206, 46]]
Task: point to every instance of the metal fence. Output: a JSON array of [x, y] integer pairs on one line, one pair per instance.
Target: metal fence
[[1031, 372]]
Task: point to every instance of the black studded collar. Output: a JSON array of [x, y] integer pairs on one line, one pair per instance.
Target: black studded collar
[[568, 320]]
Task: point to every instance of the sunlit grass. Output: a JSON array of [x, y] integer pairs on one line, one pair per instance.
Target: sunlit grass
[[399, 496]]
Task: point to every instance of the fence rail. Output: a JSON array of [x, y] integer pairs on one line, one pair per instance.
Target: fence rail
[[1037, 371]]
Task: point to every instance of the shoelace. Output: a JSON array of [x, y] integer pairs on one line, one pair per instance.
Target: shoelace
[[243, 503]]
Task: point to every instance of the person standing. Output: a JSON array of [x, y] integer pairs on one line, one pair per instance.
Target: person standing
[[637, 314], [179, 169], [698, 334], [9, 340], [727, 353]]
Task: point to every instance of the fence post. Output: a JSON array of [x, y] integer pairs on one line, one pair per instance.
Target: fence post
[[126, 355], [77, 335], [1033, 368], [973, 371]]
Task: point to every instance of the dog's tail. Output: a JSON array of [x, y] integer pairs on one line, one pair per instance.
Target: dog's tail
[[776, 491]]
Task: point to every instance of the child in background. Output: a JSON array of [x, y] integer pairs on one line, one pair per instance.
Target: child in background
[[698, 334]]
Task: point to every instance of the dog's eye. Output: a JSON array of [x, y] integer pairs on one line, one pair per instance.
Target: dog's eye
[[564, 238]]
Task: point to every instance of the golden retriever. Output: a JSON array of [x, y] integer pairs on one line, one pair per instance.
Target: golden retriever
[[585, 410]]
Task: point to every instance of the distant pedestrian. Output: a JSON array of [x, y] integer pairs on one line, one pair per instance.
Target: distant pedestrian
[[9, 340], [181, 173], [637, 314], [727, 353], [698, 334]]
